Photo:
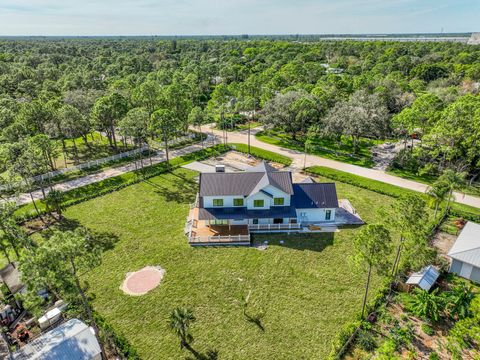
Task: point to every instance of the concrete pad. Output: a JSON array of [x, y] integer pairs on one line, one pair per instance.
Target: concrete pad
[[200, 167]]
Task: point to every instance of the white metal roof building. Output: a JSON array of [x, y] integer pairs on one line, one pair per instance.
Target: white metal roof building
[[73, 340], [425, 278], [465, 253]]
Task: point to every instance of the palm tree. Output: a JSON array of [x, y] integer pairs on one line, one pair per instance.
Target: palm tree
[[426, 305], [453, 180], [438, 193], [180, 321]]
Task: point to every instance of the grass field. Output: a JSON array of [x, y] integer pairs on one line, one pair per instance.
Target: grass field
[[306, 288], [98, 148], [326, 148], [380, 187]]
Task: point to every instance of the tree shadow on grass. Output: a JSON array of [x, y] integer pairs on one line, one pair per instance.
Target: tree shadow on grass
[[183, 190], [255, 319], [210, 354], [101, 240]]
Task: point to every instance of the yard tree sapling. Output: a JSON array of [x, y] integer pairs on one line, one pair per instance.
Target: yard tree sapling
[[372, 248]]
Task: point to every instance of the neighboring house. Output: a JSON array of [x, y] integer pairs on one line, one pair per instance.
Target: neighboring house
[[261, 199], [72, 340], [465, 253]]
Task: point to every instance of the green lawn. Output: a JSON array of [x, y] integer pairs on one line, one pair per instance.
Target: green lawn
[[383, 188], [326, 148], [306, 288], [253, 124], [98, 147], [429, 180]]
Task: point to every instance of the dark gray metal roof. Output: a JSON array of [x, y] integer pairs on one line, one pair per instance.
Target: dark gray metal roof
[[314, 195], [243, 183], [262, 167], [243, 213]]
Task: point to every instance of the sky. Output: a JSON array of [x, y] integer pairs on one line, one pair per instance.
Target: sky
[[234, 17]]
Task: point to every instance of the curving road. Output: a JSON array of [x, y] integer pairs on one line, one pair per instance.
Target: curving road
[[313, 160], [242, 137]]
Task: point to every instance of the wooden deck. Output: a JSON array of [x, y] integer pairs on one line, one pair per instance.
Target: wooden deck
[[219, 230]]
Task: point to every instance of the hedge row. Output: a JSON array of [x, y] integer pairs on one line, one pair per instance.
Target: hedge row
[[116, 183], [459, 210], [263, 154], [115, 339]]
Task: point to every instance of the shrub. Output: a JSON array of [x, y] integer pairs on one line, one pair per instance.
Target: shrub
[[338, 344], [433, 356], [366, 341], [402, 336], [427, 329], [387, 351]]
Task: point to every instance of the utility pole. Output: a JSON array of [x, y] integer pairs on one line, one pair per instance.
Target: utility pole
[[249, 139]]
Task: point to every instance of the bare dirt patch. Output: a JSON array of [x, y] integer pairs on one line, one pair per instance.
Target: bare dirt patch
[[443, 242], [142, 281], [237, 161]]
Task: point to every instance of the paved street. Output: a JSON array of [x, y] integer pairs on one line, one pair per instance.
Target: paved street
[[242, 137]]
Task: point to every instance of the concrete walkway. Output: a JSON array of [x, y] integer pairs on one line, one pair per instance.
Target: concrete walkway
[[313, 160], [107, 173]]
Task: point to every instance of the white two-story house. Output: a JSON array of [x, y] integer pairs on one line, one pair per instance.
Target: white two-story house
[[263, 195]]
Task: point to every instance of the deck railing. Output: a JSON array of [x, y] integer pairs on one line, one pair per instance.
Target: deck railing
[[196, 203], [274, 226], [219, 239]]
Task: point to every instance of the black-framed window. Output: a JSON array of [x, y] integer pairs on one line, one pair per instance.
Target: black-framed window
[[278, 201], [238, 202], [217, 202], [254, 221], [258, 203]]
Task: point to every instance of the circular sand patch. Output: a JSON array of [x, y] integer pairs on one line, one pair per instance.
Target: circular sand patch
[[142, 281]]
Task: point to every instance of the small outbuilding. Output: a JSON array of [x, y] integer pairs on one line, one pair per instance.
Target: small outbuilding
[[425, 278], [465, 253], [73, 340]]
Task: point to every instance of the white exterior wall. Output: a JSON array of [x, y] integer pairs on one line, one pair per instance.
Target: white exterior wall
[[314, 214], [268, 200], [227, 200], [248, 202]]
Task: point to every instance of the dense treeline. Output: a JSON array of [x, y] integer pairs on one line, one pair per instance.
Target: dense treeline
[[60, 89]]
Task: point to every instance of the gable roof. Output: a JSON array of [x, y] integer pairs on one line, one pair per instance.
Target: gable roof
[[72, 340], [262, 167], [315, 195], [467, 246], [245, 183]]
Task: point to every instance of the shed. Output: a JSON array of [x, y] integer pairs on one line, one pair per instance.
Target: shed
[[465, 253], [73, 340], [425, 278]]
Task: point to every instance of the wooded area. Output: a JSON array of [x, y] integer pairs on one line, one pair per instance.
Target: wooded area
[[53, 91]]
